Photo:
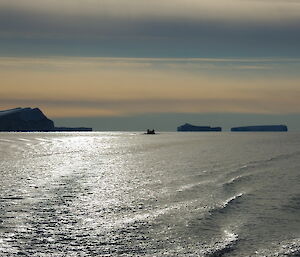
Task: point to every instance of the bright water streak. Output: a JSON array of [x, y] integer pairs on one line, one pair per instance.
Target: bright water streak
[[129, 194]]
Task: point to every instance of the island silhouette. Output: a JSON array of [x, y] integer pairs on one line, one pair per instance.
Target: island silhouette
[[190, 127], [261, 128], [34, 120], [30, 120]]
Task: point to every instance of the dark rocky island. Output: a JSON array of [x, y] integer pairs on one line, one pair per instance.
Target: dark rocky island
[[30, 120], [261, 128], [188, 127]]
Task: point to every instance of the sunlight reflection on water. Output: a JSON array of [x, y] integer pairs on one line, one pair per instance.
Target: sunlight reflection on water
[[127, 194]]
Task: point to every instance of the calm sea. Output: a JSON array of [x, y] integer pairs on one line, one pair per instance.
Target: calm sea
[[130, 194]]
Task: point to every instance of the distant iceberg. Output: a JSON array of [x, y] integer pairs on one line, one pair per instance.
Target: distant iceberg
[[29, 119], [261, 128], [189, 127]]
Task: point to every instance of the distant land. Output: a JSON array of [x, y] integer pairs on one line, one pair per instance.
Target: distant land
[[261, 128], [190, 127], [30, 120], [33, 119], [168, 122]]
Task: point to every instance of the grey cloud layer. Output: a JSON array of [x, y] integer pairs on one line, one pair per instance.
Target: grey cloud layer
[[112, 16], [229, 10], [207, 23]]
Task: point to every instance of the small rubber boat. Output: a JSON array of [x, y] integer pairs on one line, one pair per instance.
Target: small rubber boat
[[150, 132]]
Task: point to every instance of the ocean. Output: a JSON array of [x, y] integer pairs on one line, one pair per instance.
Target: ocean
[[130, 194]]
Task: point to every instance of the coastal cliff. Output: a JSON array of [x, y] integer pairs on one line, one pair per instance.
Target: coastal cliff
[[29, 120]]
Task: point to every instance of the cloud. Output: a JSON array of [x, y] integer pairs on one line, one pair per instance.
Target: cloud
[[143, 18], [63, 62], [229, 10], [143, 28]]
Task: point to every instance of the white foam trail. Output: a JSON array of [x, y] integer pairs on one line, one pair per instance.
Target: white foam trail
[[222, 246], [231, 199], [285, 248], [190, 186], [234, 179]]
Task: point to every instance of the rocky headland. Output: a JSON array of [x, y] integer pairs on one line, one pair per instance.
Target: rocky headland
[[30, 120]]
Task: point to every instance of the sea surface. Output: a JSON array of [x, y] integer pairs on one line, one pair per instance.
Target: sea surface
[[130, 194]]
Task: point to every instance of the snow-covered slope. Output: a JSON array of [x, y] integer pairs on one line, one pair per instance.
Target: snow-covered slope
[[25, 119], [30, 119]]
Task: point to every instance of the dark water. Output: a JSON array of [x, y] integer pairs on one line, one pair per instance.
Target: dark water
[[129, 194]]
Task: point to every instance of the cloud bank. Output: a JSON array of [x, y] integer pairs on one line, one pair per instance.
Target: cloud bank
[[216, 10], [149, 26]]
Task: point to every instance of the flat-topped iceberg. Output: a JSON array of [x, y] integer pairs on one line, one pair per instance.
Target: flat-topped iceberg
[[190, 127], [261, 128]]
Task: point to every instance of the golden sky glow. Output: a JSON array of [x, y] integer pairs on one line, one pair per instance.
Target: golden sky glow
[[70, 87]]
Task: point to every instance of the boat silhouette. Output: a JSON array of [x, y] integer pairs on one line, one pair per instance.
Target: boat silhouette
[[150, 132]]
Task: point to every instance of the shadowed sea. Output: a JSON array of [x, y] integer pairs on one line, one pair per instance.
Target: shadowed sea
[[130, 194]]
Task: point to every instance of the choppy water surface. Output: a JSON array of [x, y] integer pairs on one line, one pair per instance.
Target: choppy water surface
[[129, 194]]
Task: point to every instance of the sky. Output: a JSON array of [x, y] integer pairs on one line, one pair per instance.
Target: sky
[[128, 64]]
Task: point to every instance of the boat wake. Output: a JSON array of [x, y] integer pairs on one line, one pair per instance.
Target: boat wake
[[223, 246], [230, 202], [290, 248]]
